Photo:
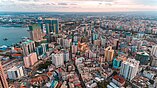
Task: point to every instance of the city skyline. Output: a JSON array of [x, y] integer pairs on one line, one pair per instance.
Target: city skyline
[[77, 5]]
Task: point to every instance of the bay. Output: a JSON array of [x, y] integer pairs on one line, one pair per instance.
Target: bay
[[13, 34]]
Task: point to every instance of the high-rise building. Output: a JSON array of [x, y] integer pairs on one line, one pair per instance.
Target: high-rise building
[[36, 33], [117, 61], [28, 47], [30, 60], [42, 49], [58, 59], [129, 68], [109, 52], [103, 41], [3, 81], [15, 73], [52, 25], [154, 56], [66, 42], [154, 51], [66, 55]]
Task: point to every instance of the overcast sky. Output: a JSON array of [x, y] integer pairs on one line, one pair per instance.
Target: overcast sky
[[77, 5]]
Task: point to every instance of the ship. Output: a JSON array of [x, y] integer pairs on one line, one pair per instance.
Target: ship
[[5, 39]]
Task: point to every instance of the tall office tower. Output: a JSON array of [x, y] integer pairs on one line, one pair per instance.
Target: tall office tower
[[109, 52], [52, 25], [15, 73], [3, 81], [28, 47], [154, 56], [58, 59], [36, 33], [129, 68], [30, 60], [42, 49]]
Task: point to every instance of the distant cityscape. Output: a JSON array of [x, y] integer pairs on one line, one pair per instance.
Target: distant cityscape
[[78, 50]]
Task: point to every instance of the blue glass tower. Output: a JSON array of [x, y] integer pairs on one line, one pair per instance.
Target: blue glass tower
[[52, 25]]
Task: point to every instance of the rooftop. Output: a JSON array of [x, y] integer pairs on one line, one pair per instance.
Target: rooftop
[[119, 79]]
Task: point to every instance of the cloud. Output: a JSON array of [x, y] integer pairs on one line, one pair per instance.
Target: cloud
[[62, 4], [49, 4], [146, 2], [78, 5], [73, 4]]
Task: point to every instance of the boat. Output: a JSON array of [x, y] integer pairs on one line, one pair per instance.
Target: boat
[[5, 39]]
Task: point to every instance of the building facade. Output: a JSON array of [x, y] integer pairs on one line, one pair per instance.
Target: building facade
[[129, 68], [15, 72], [109, 52], [36, 33], [58, 59], [30, 60], [28, 47], [3, 81]]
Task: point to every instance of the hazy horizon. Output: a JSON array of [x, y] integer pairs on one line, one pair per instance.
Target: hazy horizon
[[77, 5]]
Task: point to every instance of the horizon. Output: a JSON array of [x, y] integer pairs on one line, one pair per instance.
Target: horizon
[[77, 5]]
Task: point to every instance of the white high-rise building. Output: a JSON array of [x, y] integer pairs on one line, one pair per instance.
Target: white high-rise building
[[129, 68], [154, 56], [58, 59], [154, 51], [15, 73], [66, 42]]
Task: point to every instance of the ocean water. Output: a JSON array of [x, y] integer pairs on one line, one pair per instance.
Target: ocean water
[[13, 34]]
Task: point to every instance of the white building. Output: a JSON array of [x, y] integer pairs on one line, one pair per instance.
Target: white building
[[15, 73], [154, 51], [129, 68], [66, 42], [58, 59], [103, 41], [154, 56]]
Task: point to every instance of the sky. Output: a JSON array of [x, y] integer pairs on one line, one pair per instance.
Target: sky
[[77, 5]]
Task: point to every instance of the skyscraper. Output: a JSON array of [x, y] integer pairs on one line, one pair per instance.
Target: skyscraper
[[129, 68], [154, 51], [30, 60], [109, 52], [41, 50], [58, 59], [15, 73], [154, 56], [117, 61], [36, 33], [52, 25], [28, 47], [3, 81]]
